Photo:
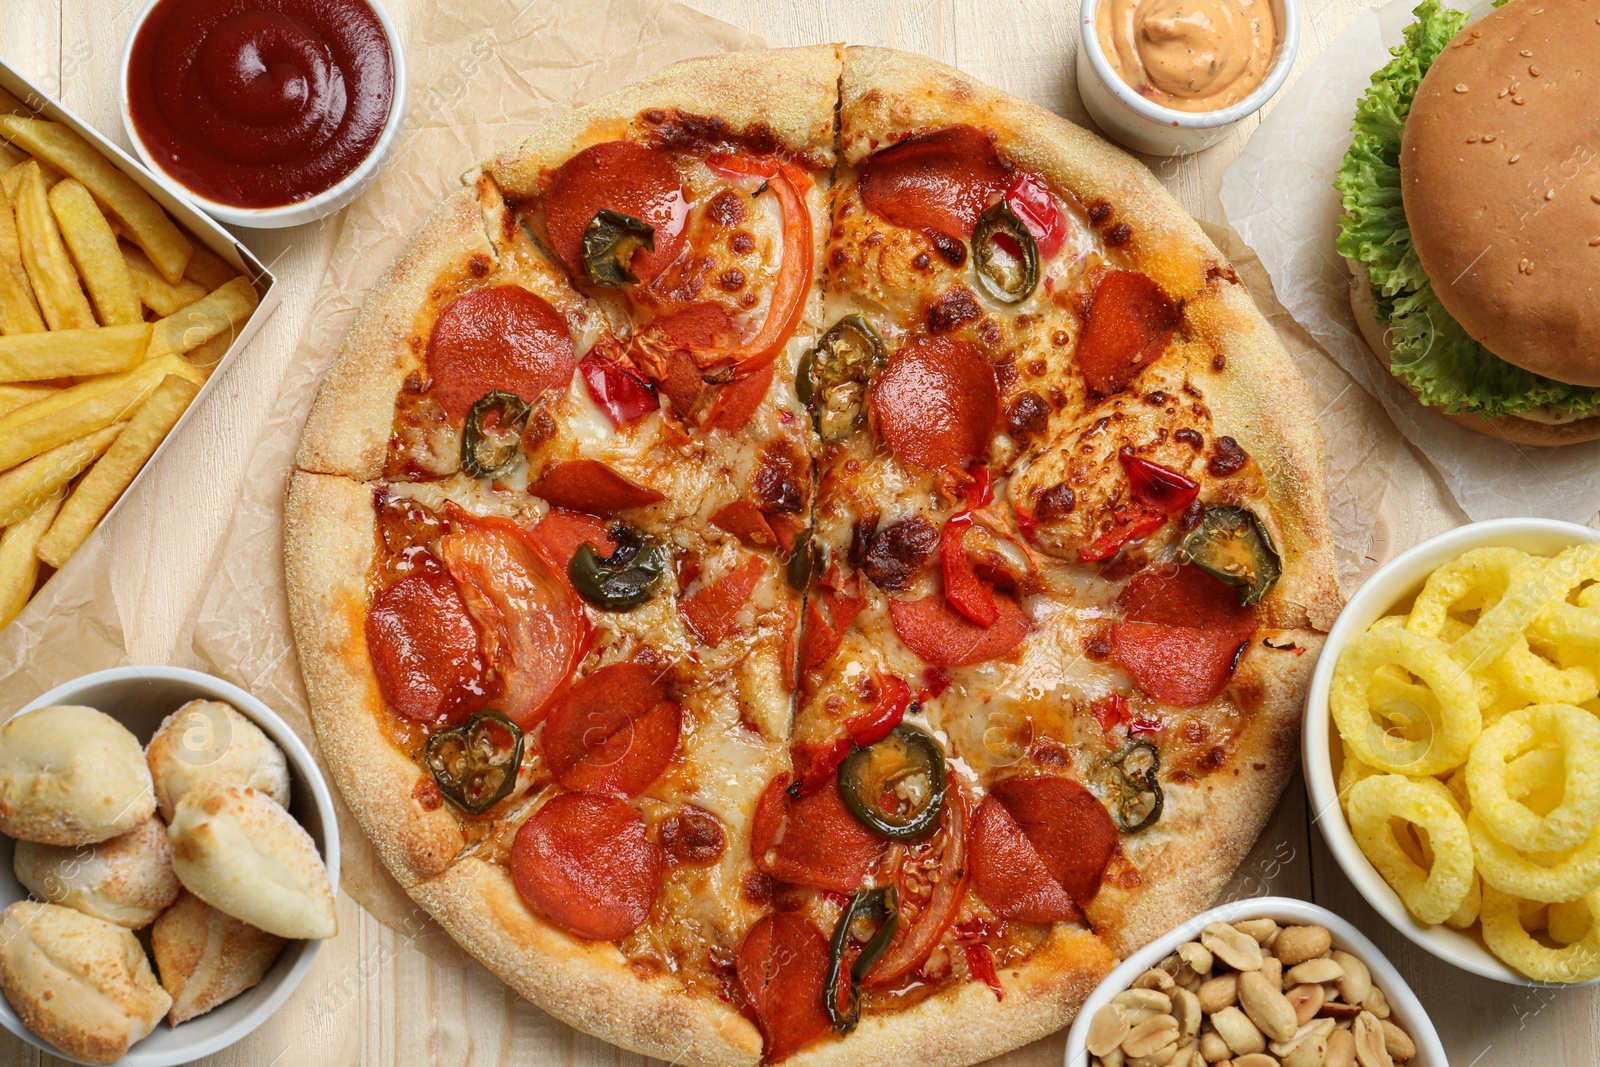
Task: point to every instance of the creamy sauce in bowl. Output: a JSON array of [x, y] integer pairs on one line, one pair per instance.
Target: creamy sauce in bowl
[[1189, 55]]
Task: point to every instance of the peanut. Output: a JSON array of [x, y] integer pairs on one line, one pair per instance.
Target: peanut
[[1296, 944], [1268, 1008]]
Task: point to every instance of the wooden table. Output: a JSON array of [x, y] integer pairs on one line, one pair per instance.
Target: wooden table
[[372, 998]]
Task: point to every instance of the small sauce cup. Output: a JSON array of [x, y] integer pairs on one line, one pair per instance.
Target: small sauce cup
[[1141, 124], [296, 212]]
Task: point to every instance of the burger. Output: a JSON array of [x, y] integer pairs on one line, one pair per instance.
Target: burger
[[1471, 220]]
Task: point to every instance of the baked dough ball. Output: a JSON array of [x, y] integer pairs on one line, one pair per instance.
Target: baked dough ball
[[81, 983], [205, 957], [71, 776], [238, 851], [209, 741], [127, 880]]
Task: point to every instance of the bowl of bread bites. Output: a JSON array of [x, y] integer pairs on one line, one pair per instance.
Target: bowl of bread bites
[[169, 866]]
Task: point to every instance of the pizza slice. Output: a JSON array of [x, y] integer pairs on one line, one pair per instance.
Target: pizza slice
[[1051, 660], [537, 545]]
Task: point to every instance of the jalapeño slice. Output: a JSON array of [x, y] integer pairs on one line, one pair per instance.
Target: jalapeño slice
[[494, 426], [1232, 546], [832, 378], [808, 560], [609, 243], [879, 904], [623, 580], [1005, 255], [475, 764], [896, 787], [1140, 802]]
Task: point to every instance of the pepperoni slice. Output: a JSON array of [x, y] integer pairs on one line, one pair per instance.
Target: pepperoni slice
[[828, 615], [936, 181], [936, 403], [944, 637], [785, 528], [500, 337], [710, 613], [1129, 322], [584, 863], [425, 649], [1068, 827], [534, 629], [1009, 874], [614, 732], [621, 176], [782, 966], [698, 327], [733, 405], [745, 521], [813, 840], [560, 533], [592, 486], [1180, 634]]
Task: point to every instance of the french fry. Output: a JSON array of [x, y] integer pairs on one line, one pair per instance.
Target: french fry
[[81, 409], [25, 486], [10, 105], [10, 178], [13, 397], [112, 473], [44, 256], [219, 312], [19, 311], [37, 357], [148, 225], [205, 358], [19, 561], [10, 157], [209, 269], [94, 250], [155, 292]]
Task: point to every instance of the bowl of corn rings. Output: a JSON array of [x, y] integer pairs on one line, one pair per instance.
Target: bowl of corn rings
[[1452, 747]]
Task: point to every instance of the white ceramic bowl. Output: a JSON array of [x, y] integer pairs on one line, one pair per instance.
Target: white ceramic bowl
[[301, 211], [1144, 125], [1406, 1010], [1392, 586], [140, 698]]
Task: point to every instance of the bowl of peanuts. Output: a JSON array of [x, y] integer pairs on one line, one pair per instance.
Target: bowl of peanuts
[[1268, 982]]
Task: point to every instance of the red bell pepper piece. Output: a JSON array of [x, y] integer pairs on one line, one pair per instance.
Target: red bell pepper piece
[[1129, 529], [616, 390], [980, 961], [967, 593], [1156, 487], [788, 182], [863, 731], [1031, 202]]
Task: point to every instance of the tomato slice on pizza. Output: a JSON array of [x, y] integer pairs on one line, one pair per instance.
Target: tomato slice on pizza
[[807, 542]]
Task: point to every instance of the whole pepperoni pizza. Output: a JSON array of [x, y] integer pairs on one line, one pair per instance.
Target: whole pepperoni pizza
[[810, 559]]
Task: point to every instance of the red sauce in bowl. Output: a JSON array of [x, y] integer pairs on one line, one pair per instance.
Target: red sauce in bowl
[[260, 103]]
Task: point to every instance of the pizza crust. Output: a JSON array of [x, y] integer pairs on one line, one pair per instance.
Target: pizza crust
[[789, 93], [586, 984], [347, 431], [966, 1024], [329, 536]]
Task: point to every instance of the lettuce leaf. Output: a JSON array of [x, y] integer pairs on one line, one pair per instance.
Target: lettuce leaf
[[1431, 352]]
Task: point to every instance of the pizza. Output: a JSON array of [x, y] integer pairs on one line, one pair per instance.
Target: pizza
[[809, 559]]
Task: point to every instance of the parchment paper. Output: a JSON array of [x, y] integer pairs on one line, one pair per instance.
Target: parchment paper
[[1279, 196], [483, 72]]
